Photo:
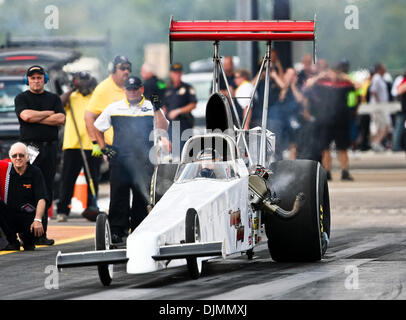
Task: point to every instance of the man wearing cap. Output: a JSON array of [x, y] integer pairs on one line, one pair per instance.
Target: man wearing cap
[[108, 91], [180, 100], [131, 155], [40, 113]]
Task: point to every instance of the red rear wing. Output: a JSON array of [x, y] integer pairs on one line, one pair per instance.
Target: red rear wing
[[284, 30]]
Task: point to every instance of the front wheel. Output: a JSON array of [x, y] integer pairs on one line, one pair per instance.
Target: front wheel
[[192, 235], [103, 242]]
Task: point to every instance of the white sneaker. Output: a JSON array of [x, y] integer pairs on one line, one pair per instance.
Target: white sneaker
[[61, 217], [377, 147]]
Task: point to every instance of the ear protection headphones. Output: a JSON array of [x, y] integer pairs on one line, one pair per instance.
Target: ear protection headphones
[[114, 68], [46, 77]]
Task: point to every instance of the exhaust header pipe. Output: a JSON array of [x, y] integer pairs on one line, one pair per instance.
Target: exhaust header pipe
[[297, 205], [260, 197]]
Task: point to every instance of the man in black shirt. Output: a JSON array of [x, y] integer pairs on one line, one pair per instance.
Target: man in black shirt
[[328, 103], [40, 113], [180, 100], [23, 199]]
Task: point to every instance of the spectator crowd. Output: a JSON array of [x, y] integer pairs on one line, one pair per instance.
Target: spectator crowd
[[314, 109]]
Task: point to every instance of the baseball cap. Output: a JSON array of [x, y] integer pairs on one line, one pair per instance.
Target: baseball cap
[[35, 69], [133, 82], [176, 67]]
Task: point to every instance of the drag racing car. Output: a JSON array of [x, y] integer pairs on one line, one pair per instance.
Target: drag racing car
[[227, 194]]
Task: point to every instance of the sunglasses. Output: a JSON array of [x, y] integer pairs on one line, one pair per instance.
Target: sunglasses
[[122, 68], [19, 155]]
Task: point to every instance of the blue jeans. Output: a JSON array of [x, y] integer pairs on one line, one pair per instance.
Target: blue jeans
[[398, 132]]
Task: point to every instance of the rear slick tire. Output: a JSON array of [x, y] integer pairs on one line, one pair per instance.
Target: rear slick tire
[[304, 237]]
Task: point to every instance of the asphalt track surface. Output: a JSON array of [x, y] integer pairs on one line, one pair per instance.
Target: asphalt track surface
[[365, 260]]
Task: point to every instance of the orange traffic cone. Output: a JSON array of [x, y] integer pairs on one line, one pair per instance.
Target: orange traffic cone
[[80, 191], [51, 211]]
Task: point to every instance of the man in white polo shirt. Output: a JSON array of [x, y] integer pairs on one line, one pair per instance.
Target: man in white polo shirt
[[133, 120]]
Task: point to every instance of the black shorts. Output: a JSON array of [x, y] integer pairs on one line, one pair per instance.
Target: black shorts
[[339, 134], [13, 222]]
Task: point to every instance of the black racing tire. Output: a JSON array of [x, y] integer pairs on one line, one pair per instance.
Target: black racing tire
[[162, 179], [304, 237], [103, 242], [192, 234]]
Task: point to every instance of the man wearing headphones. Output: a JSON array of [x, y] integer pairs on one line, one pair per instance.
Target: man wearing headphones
[[108, 91], [39, 113]]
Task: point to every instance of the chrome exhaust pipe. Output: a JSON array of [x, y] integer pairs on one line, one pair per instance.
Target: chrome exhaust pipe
[[297, 205]]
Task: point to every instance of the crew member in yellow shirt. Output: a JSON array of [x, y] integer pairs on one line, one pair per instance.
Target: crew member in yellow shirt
[[77, 99], [108, 91]]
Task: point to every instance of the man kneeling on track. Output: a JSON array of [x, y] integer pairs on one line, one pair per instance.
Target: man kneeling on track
[[23, 199]]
